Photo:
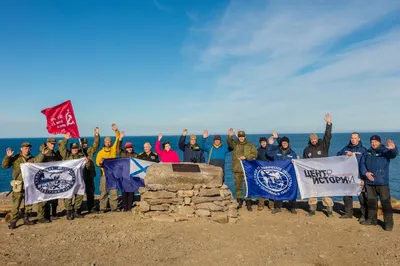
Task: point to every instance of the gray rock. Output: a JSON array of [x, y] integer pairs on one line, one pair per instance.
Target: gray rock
[[185, 193], [197, 200], [209, 206], [224, 186], [163, 218], [177, 201], [197, 186], [232, 213], [158, 195], [176, 187], [232, 205], [219, 203], [159, 207], [155, 187], [203, 213], [142, 190], [144, 206], [220, 218], [225, 192], [163, 174], [232, 220], [211, 192], [188, 201], [182, 210]]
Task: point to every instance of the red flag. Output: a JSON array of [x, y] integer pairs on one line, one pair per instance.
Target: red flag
[[61, 119]]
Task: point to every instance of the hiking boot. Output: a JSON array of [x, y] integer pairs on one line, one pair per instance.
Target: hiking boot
[[275, 211], [78, 215], [27, 221], [367, 222], [93, 212], [346, 216], [43, 221], [312, 210], [240, 203], [102, 211], [12, 225], [329, 211], [69, 216], [362, 219], [116, 210], [248, 205], [260, 207], [388, 227], [293, 211], [271, 204], [53, 218]]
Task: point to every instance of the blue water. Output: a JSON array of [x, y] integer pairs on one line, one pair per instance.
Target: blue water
[[297, 141]]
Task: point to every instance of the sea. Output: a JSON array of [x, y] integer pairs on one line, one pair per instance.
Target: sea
[[297, 141]]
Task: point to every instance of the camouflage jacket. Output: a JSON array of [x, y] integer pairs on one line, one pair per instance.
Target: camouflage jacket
[[245, 148], [16, 162]]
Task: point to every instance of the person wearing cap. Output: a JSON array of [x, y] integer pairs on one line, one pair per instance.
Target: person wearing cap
[[242, 150], [108, 152], [262, 155], [356, 148], [90, 174], [375, 169], [148, 154], [167, 154], [318, 148], [128, 152], [73, 209], [216, 151], [281, 153], [18, 194], [192, 152], [48, 209]]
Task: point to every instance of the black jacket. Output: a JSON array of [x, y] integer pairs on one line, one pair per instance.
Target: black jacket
[[321, 149]]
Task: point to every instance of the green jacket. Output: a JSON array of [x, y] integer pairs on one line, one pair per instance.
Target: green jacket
[[67, 155], [245, 148], [16, 162], [91, 151], [50, 156]]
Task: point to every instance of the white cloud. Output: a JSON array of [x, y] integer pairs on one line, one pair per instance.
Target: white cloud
[[259, 54]]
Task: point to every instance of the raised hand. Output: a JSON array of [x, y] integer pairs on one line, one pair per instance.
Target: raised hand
[[68, 135], [160, 136], [271, 140], [114, 127], [230, 132], [370, 177], [274, 134], [205, 134], [9, 152], [121, 135], [390, 144], [328, 119], [185, 131], [96, 131], [45, 149]]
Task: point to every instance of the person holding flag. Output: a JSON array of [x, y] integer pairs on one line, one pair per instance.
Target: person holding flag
[[108, 152]]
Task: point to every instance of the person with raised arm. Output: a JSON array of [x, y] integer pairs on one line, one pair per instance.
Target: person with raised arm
[[167, 155], [192, 153]]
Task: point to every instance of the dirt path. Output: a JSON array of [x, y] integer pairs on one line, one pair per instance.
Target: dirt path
[[258, 238]]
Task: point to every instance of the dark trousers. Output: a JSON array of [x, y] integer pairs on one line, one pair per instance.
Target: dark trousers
[[127, 200], [372, 204], [348, 204], [89, 187], [278, 204], [50, 208], [220, 163]]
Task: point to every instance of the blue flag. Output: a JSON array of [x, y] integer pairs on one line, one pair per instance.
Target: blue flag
[[271, 180], [125, 174]]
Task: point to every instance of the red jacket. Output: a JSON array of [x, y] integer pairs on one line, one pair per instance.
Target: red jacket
[[167, 156]]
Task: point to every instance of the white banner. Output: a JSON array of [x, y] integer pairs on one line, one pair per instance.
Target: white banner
[[330, 176], [52, 180]]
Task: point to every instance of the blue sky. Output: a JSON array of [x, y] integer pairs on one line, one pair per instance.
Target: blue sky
[[164, 65]]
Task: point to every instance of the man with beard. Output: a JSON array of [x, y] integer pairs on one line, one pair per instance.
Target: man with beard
[[356, 148], [319, 148], [18, 194], [283, 152], [242, 150], [375, 167], [108, 152]]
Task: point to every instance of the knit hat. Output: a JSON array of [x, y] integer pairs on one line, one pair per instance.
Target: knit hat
[[107, 139], [285, 139], [313, 136], [128, 145], [263, 139], [241, 134], [217, 137], [193, 137], [375, 137]]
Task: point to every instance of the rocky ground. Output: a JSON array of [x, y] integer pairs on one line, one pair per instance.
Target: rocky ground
[[258, 238]]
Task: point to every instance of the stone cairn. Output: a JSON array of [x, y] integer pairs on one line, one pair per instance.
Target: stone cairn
[[171, 195]]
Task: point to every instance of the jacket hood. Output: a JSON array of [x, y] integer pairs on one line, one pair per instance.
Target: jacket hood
[[354, 146]]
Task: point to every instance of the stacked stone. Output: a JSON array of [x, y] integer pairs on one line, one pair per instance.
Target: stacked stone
[[180, 201]]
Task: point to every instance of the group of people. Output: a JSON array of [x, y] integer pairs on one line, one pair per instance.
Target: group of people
[[373, 168]]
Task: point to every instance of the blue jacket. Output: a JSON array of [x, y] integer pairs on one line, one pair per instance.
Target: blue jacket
[[377, 162], [214, 153], [262, 154], [359, 150], [277, 154], [193, 154]]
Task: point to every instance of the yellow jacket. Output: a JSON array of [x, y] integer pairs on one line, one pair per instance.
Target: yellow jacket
[[107, 153]]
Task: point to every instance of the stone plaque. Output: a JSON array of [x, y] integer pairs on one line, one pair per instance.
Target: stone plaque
[[187, 168]]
